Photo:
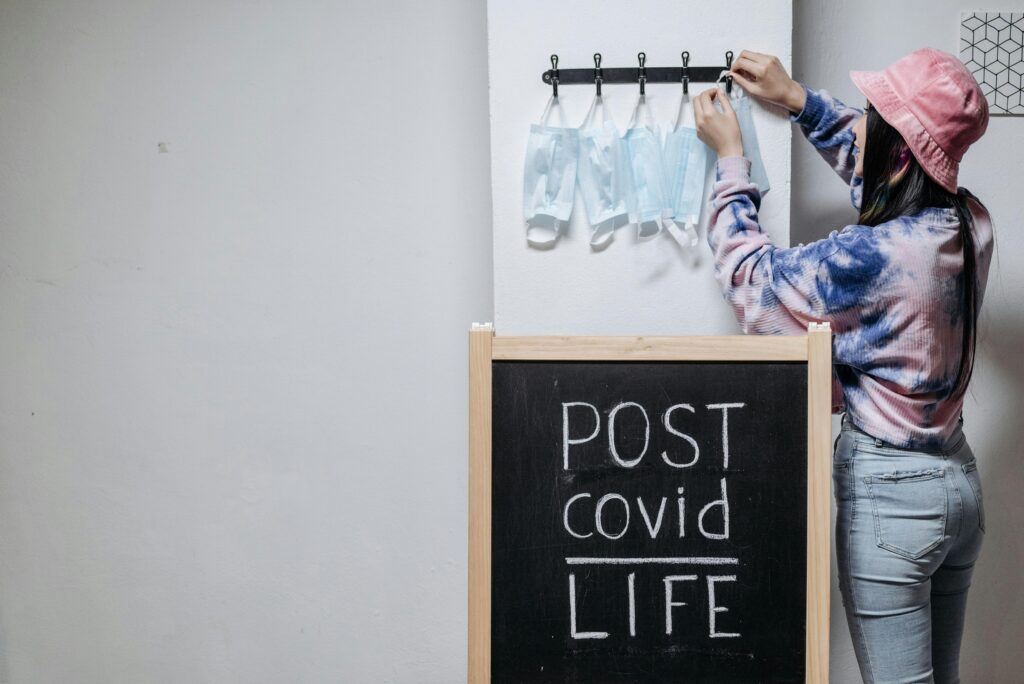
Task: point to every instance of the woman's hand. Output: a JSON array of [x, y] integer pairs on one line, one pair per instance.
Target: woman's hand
[[719, 130], [764, 76]]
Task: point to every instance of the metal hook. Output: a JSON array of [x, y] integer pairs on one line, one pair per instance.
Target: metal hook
[[597, 72], [554, 75], [642, 73], [728, 65], [686, 72]]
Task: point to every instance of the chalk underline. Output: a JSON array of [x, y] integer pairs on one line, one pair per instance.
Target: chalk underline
[[690, 560]]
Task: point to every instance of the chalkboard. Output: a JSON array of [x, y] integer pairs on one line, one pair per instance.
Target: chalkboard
[[648, 515]]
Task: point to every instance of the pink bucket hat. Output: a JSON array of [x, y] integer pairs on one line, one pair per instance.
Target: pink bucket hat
[[932, 99]]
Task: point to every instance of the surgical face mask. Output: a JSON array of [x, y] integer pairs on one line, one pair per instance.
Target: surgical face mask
[[549, 178], [741, 104], [603, 173], [856, 191], [687, 162], [647, 196], [856, 184]]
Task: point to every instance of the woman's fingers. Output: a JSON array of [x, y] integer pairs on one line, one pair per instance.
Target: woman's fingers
[[698, 108], [752, 67], [704, 104], [717, 129], [764, 76], [756, 56], [726, 105], [750, 86]]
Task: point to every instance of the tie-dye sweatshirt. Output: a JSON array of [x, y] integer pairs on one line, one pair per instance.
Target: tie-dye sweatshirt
[[892, 293]]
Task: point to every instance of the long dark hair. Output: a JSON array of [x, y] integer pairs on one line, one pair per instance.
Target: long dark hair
[[895, 185]]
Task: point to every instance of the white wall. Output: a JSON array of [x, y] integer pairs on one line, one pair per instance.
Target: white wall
[[629, 288], [830, 39], [233, 375]]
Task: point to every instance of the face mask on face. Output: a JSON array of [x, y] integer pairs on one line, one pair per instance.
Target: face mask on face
[[687, 162], [549, 178], [741, 104], [647, 172], [604, 175]]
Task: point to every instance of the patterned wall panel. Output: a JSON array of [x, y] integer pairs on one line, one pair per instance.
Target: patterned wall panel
[[991, 45]]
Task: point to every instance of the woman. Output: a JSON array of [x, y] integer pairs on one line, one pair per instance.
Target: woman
[[901, 289]]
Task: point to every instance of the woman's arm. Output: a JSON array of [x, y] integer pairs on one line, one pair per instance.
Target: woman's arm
[[825, 121], [778, 291], [828, 124], [773, 290]]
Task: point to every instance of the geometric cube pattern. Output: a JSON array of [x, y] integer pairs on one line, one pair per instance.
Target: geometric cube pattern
[[992, 47]]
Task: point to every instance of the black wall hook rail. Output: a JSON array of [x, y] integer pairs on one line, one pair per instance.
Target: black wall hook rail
[[698, 74]]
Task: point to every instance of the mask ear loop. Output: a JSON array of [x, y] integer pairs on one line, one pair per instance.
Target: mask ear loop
[[642, 116], [596, 104], [642, 110], [598, 101], [685, 96], [603, 233], [684, 100], [738, 93], [554, 104], [553, 101]]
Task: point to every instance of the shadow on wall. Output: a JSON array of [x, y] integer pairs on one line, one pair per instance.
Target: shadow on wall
[[995, 619], [814, 223]]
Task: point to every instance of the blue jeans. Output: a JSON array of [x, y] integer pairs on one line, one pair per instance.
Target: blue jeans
[[909, 528]]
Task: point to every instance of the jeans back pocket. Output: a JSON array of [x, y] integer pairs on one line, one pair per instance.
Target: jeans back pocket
[[909, 509], [974, 479]]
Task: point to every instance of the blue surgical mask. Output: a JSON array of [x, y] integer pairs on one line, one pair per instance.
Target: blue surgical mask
[[741, 104], [643, 145], [856, 183], [549, 178], [603, 173], [687, 162]]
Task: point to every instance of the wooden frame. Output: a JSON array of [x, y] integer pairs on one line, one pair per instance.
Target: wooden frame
[[815, 348]]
